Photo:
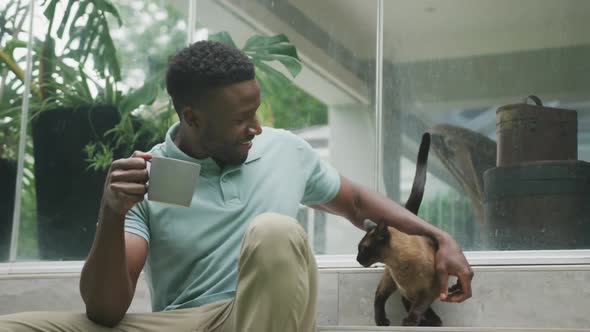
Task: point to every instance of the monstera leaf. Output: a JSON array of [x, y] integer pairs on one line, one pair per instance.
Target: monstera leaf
[[264, 50]]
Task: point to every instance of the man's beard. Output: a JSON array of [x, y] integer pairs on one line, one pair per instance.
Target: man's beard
[[230, 155]]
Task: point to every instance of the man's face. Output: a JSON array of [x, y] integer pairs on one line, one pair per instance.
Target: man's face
[[229, 122]]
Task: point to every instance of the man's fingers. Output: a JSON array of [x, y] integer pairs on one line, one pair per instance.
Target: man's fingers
[[464, 292], [128, 188], [457, 297], [443, 279], [129, 163], [456, 287], [132, 175], [139, 154], [465, 280]]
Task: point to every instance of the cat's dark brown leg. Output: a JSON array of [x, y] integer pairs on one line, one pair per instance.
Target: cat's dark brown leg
[[416, 312], [430, 318], [407, 304], [386, 287]]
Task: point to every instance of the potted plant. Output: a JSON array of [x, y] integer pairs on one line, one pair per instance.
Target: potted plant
[[81, 122], [66, 116]]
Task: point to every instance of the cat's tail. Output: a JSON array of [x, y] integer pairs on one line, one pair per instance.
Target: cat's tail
[[415, 199]]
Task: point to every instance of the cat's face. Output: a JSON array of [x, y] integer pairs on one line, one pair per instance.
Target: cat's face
[[372, 244]]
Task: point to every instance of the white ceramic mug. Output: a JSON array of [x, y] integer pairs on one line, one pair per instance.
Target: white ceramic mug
[[172, 181]]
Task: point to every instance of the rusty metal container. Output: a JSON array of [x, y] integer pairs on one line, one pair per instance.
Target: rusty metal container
[[537, 205], [527, 133]]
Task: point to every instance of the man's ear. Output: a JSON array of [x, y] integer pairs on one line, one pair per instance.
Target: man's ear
[[188, 116]]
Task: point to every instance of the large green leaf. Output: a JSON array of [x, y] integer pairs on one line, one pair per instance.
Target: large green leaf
[[84, 83], [108, 7], [293, 65], [223, 37], [274, 48], [80, 12], [89, 36], [282, 49], [50, 10], [110, 55], [145, 95], [65, 19], [274, 76], [260, 41]]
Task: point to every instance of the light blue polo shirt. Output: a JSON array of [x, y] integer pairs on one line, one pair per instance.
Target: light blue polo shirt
[[193, 252]]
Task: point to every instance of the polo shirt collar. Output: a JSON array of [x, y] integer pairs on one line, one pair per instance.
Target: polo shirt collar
[[208, 165]]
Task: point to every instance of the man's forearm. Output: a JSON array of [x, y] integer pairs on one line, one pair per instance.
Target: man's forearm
[[105, 284], [374, 206]]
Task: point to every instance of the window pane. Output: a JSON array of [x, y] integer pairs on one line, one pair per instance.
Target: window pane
[[330, 103], [84, 112], [456, 62], [14, 25]]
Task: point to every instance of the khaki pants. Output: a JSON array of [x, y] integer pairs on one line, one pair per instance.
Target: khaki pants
[[276, 292]]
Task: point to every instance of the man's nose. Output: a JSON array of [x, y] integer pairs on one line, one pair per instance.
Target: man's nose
[[255, 129]]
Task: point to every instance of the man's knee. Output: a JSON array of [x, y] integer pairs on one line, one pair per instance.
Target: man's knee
[[274, 227], [275, 240]]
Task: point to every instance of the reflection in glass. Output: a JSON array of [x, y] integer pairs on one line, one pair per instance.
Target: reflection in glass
[[455, 63]]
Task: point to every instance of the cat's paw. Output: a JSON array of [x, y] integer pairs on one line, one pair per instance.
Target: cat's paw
[[382, 321], [431, 321], [410, 321]]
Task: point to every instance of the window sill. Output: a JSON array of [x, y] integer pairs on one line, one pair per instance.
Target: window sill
[[555, 258], [486, 258]]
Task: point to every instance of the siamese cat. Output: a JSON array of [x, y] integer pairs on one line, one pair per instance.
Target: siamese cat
[[409, 260]]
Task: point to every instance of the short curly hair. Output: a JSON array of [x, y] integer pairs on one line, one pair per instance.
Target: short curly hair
[[202, 66]]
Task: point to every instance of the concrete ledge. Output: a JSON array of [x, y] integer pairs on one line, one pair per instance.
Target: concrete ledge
[[514, 297]]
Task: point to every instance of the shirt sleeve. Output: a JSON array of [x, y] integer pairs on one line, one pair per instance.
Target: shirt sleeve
[[322, 181], [136, 221]]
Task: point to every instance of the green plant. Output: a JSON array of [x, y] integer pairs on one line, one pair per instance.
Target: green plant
[[58, 71], [11, 22], [61, 78]]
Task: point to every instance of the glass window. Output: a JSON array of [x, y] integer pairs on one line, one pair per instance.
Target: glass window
[[14, 24], [92, 69], [448, 67]]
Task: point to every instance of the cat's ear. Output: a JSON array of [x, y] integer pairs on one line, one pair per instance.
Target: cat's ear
[[382, 227], [369, 225], [382, 232]]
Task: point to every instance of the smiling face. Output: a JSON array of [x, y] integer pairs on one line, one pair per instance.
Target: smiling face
[[215, 93], [227, 122]]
